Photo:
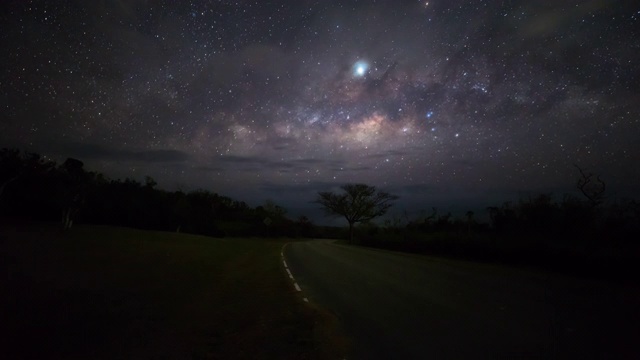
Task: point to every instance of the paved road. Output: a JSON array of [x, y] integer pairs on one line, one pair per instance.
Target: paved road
[[398, 306]]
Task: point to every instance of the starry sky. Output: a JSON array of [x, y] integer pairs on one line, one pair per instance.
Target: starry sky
[[448, 103]]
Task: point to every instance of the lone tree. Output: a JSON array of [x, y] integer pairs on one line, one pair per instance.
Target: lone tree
[[592, 189], [358, 203]]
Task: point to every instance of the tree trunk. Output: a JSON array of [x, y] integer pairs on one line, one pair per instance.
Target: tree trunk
[[68, 214], [66, 219], [350, 232]]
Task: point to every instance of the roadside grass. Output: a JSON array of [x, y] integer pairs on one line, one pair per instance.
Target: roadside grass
[[115, 293], [560, 254]]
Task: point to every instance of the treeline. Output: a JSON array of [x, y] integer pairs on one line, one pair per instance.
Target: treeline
[[573, 234], [570, 220], [35, 188]]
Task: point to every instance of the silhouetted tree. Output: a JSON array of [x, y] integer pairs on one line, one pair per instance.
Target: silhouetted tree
[[470, 221], [305, 226], [11, 166], [30, 180], [622, 220], [34, 188], [443, 223], [424, 222], [274, 211], [180, 210], [398, 222], [592, 189], [201, 219], [576, 214], [74, 182], [538, 213], [149, 183], [358, 203]]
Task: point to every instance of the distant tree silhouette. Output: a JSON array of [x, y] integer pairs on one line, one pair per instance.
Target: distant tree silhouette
[[180, 210], [592, 189], [275, 212], [305, 226], [11, 166], [424, 222], [26, 184], [202, 213], [74, 184], [538, 213], [358, 203], [34, 188], [149, 183], [470, 221], [443, 223]]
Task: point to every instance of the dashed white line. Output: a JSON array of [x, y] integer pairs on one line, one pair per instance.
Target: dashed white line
[[286, 267]]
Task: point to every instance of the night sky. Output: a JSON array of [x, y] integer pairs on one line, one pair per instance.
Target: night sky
[[454, 104]]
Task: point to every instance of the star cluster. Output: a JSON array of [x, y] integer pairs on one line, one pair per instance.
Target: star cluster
[[439, 102]]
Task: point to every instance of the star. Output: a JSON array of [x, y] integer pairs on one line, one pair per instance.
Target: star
[[280, 92], [360, 68]]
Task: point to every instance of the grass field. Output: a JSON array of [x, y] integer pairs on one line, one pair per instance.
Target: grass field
[[113, 293]]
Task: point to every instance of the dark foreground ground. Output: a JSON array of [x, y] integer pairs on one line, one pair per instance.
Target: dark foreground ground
[[399, 306], [112, 293]]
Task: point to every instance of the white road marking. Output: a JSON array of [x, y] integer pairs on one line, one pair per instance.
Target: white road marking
[[295, 284]]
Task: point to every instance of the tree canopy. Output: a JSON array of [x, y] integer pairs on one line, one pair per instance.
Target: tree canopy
[[35, 188], [358, 203]]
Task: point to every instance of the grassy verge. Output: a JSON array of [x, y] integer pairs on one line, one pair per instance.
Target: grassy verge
[[107, 293], [608, 261]]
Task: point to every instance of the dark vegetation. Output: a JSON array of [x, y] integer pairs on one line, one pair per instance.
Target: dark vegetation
[[357, 203], [583, 234], [74, 291], [108, 292], [101, 292], [34, 188], [577, 235], [573, 235]]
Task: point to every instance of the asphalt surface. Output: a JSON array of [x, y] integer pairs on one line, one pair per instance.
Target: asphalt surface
[[398, 306]]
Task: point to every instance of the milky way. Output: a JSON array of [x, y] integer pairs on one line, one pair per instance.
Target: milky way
[[440, 102]]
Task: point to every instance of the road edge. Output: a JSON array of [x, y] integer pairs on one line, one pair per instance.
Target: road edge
[[330, 336], [286, 268]]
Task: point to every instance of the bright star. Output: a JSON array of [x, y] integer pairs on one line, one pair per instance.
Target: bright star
[[360, 68]]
